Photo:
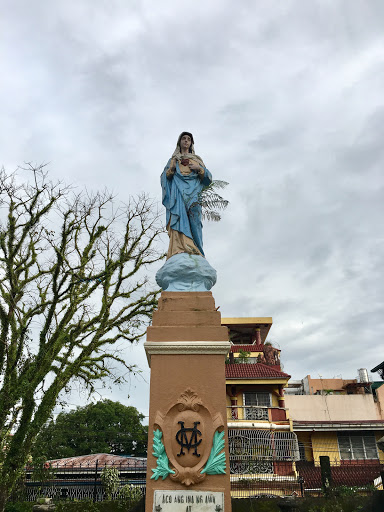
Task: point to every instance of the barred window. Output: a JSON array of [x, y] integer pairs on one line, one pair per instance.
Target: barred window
[[357, 445], [255, 401], [260, 399]]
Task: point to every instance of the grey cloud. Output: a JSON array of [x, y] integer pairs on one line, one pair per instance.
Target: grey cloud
[[285, 102], [275, 140]]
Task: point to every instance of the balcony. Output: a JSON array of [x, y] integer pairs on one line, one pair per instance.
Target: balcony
[[255, 413]]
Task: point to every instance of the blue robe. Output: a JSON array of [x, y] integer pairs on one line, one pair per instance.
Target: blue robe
[[180, 192]]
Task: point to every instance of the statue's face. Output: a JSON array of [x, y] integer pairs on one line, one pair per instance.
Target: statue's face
[[185, 142]]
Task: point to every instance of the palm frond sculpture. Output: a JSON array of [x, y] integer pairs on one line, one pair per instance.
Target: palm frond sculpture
[[211, 202]]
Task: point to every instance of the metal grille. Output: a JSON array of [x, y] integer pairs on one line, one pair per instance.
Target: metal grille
[[80, 482], [256, 413], [254, 451], [259, 403], [72, 490]]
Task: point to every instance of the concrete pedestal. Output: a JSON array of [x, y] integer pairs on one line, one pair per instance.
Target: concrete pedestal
[[187, 444]]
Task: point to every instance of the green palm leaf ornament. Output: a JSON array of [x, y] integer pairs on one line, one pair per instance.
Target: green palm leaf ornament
[[216, 461], [162, 469], [211, 201]]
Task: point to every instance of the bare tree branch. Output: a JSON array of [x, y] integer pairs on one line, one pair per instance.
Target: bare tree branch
[[72, 284]]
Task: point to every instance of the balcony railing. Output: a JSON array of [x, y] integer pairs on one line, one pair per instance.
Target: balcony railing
[[255, 413]]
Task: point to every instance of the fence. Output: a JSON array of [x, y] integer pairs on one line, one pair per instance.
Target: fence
[[303, 478], [260, 466], [80, 482], [283, 481], [266, 463]]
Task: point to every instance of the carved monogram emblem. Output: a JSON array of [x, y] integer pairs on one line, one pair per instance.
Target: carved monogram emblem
[[192, 442], [187, 429]]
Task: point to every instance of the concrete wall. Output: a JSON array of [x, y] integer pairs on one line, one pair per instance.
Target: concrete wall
[[311, 386], [380, 400], [332, 407]]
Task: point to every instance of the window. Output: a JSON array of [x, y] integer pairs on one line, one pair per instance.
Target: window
[[302, 451], [259, 399], [357, 445], [255, 401]]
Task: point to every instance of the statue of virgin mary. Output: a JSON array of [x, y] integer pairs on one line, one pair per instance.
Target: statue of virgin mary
[[182, 180]]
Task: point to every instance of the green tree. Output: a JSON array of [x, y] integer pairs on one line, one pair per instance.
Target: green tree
[[103, 427], [72, 286], [243, 356]]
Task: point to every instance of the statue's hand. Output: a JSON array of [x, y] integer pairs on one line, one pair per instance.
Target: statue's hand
[[194, 166], [197, 169], [172, 169], [170, 172]]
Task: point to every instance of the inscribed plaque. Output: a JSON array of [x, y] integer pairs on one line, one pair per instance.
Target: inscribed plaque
[[188, 501]]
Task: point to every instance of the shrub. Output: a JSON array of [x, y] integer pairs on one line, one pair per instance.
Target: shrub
[[19, 507], [77, 506], [110, 479], [130, 493]]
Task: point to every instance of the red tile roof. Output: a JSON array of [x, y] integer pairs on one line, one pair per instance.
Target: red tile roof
[[330, 422], [246, 348], [351, 475], [253, 371]]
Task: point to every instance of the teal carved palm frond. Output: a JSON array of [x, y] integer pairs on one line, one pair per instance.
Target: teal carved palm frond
[[216, 461], [162, 469]]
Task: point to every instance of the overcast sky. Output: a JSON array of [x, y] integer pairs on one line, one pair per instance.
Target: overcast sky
[[285, 101]]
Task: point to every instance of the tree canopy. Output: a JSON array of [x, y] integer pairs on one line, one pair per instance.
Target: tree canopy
[[103, 427], [72, 289]]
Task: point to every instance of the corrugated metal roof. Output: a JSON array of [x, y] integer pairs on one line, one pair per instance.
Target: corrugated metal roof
[[102, 459]]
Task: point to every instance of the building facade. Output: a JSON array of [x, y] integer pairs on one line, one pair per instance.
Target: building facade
[[278, 429], [263, 447], [342, 419]]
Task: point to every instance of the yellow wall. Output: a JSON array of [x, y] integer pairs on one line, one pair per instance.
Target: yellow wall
[[325, 443], [251, 354], [378, 435]]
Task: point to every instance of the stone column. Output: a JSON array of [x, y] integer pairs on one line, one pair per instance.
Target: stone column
[[188, 462]]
